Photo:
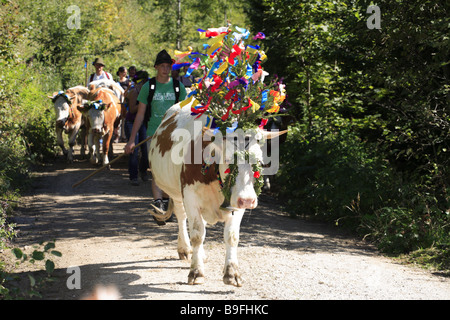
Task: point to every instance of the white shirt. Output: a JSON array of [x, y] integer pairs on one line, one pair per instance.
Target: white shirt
[[101, 76]]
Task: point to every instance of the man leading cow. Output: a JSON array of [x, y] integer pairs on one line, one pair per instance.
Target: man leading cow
[[155, 98]]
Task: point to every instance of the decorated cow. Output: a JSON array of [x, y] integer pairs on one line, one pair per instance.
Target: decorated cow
[[207, 153], [68, 118], [102, 112], [205, 192]]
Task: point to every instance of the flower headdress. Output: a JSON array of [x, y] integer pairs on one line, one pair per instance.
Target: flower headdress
[[97, 105], [231, 91], [61, 94]]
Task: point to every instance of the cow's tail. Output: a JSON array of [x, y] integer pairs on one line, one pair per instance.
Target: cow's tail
[[161, 215]]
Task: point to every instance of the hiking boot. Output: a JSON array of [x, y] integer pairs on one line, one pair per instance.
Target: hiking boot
[[144, 177], [134, 182], [165, 204]]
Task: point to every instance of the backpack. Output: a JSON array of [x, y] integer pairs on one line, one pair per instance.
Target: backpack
[[151, 93], [92, 76]]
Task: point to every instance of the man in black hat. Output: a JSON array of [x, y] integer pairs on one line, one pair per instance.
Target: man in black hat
[[155, 98], [99, 73]]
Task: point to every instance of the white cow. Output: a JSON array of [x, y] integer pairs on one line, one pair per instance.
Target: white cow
[[196, 193], [68, 118]]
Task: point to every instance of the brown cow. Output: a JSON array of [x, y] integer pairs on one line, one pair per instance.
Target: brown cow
[[196, 189], [68, 118], [103, 116]]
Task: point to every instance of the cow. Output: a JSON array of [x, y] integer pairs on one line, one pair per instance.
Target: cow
[[110, 84], [195, 193], [103, 118], [119, 92], [68, 118]]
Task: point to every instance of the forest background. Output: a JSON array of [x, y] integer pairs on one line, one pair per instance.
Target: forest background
[[368, 150]]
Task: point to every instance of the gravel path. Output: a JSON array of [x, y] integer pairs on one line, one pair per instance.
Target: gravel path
[[103, 228]]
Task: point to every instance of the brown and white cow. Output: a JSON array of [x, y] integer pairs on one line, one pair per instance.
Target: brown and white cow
[[68, 118], [195, 194], [103, 118]]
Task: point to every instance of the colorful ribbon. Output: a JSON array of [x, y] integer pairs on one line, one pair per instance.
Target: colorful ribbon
[[212, 32], [259, 35]]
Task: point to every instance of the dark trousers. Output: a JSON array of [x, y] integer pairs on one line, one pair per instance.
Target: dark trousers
[[134, 164]]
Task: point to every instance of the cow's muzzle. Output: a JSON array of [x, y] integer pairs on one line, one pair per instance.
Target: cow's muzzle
[[97, 131], [249, 203]]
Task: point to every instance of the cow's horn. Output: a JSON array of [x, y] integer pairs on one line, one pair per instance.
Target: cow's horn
[[272, 134]]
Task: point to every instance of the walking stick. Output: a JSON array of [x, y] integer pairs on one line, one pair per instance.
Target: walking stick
[[106, 165]]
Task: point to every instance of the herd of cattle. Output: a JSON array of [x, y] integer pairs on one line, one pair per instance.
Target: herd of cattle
[[98, 109], [196, 196]]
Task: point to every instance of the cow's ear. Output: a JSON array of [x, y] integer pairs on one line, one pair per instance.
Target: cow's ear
[[272, 134], [52, 96]]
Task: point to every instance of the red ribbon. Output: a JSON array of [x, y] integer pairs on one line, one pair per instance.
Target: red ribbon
[[201, 110], [234, 53], [243, 108], [263, 123], [230, 94], [217, 82]]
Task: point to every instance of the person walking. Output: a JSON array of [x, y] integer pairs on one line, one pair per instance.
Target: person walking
[[155, 98], [136, 166], [99, 72]]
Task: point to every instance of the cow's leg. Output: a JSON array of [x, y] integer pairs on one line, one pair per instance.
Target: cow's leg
[[106, 146], [92, 148], [231, 237], [83, 135], [98, 156], [197, 231], [184, 245], [72, 140], [60, 140]]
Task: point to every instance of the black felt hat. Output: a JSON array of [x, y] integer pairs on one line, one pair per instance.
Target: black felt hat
[[163, 57]]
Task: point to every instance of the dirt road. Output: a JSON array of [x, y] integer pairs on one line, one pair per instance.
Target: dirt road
[[103, 227]]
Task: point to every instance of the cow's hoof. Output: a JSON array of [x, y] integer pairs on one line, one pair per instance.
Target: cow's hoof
[[183, 255], [196, 277], [232, 276]]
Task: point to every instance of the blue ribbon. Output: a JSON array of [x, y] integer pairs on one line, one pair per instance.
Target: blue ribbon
[[264, 99]]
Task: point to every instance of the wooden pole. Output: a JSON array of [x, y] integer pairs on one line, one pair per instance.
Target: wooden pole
[[105, 166], [86, 67]]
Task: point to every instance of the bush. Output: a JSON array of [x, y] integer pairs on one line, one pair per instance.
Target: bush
[[334, 176], [328, 171]]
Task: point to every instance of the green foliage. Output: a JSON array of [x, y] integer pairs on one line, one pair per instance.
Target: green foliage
[[370, 150], [41, 254], [325, 172]]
